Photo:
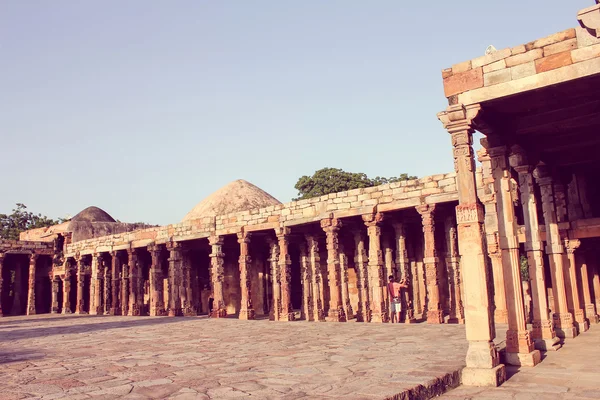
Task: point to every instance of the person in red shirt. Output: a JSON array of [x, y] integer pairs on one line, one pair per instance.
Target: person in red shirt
[[394, 289]]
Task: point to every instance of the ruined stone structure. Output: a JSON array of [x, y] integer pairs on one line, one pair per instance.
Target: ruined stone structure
[[459, 239]]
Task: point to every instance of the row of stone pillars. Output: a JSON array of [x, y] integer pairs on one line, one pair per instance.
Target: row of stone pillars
[[31, 305]]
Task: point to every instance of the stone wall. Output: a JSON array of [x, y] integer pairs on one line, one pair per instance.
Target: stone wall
[[394, 196], [19, 246]]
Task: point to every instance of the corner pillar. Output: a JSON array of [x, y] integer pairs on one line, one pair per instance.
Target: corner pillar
[[331, 226], [245, 263], [375, 268]]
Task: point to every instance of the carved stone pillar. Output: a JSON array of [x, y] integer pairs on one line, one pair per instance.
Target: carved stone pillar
[[273, 260], [520, 349], [403, 266], [581, 323], [361, 260], [157, 303], [96, 284], [563, 320], [457, 312], [175, 278], [216, 264], [488, 198], [430, 259], [80, 309], [483, 364], [590, 307], [306, 276], [55, 288], [245, 262], [115, 306], [388, 270], [66, 278], [376, 280], [595, 271], [345, 289], [331, 226], [134, 286], [1, 281], [543, 333], [318, 313], [107, 288], [285, 276], [31, 287]]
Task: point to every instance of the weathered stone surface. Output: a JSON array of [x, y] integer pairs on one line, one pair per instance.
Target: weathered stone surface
[[463, 82], [553, 62]]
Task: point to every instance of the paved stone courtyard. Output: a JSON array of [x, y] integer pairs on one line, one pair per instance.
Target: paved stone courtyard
[[81, 357], [573, 372]]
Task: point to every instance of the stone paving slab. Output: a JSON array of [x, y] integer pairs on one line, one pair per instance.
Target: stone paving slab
[[573, 372], [102, 357]]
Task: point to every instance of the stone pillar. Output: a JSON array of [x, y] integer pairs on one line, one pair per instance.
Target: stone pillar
[[157, 303], [543, 333], [1, 281], [488, 198], [31, 287], [174, 281], [590, 307], [430, 259], [331, 226], [595, 271], [403, 265], [457, 312], [107, 287], [66, 278], [363, 313], [388, 269], [520, 349], [376, 280], [275, 308], [483, 364], [80, 308], [185, 290], [581, 323], [563, 320], [96, 284], [136, 300], [245, 262], [125, 282], [307, 299], [318, 313], [115, 306], [285, 264], [55, 288], [216, 264], [345, 289]]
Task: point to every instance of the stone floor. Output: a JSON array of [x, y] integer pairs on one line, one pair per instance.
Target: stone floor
[[80, 357], [573, 372]]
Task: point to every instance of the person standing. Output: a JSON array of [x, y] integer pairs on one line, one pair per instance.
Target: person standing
[[394, 289]]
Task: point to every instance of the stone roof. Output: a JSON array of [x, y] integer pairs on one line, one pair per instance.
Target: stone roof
[[93, 214], [237, 196]]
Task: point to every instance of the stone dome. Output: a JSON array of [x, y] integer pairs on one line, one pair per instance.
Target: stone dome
[[237, 196], [93, 214]]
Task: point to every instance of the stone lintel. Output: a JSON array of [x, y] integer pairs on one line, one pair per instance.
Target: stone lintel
[[261, 227], [397, 205], [141, 243], [355, 211]]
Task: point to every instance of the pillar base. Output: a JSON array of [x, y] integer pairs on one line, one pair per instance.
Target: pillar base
[[378, 317], [552, 344], [434, 317], [247, 314], [30, 312], [460, 321], [595, 319], [500, 316], [176, 313], [115, 311], [582, 326], [66, 311], [287, 317], [222, 313], [524, 359], [566, 333], [483, 376], [336, 316], [81, 313]]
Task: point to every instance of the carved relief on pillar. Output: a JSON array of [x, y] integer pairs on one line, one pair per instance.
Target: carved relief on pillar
[[54, 306], [107, 288], [306, 277], [362, 277], [379, 311], [581, 322], [157, 303], [430, 259], [81, 267], [452, 262], [314, 259], [217, 261], [345, 286], [96, 284], [285, 274], [403, 265], [115, 306], [31, 287], [135, 298], [273, 260], [331, 226], [245, 263], [66, 278]]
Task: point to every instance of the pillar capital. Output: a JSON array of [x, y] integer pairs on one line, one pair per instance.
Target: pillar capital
[[244, 237], [459, 118], [373, 219], [426, 210], [571, 245], [282, 232], [331, 224], [542, 175]]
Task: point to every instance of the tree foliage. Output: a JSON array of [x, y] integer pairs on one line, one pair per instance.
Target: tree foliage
[[332, 180], [21, 220]]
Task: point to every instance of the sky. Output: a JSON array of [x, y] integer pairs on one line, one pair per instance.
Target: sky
[[144, 108]]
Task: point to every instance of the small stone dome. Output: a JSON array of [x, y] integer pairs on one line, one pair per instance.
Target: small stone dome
[[93, 214], [237, 196]]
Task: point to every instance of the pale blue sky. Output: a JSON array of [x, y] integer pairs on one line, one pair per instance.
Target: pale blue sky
[[144, 108]]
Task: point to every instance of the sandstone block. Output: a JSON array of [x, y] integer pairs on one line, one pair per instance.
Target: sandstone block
[[518, 49], [524, 57], [566, 45], [351, 199], [364, 197], [447, 182], [490, 58], [555, 38], [496, 77], [463, 82], [356, 204], [494, 66], [522, 70], [553, 62], [376, 195], [585, 53], [370, 189], [462, 67], [370, 202], [387, 192], [446, 73], [343, 206]]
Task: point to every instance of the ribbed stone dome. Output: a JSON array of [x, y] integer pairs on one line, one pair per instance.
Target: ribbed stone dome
[[93, 214], [237, 196]]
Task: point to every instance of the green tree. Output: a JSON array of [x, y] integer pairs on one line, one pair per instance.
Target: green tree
[[21, 220], [524, 268], [332, 180]]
